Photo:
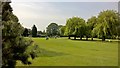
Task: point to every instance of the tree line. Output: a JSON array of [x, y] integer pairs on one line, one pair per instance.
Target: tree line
[[105, 25]]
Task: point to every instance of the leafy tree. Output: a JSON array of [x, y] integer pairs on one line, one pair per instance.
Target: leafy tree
[[34, 31], [118, 28], [39, 32], [14, 46], [26, 32], [59, 27], [75, 26], [90, 25], [62, 30], [87, 31], [52, 29], [107, 24], [44, 33], [30, 32], [118, 32]]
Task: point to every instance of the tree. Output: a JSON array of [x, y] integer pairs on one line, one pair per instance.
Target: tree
[[34, 31], [90, 25], [26, 32], [44, 33], [14, 46], [62, 30], [75, 26], [30, 32], [118, 32], [59, 27], [87, 31], [52, 29], [107, 24], [39, 32]]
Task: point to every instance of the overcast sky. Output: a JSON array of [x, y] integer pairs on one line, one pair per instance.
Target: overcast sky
[[43, 13]]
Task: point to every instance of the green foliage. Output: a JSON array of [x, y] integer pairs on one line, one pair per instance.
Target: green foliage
[[107, 24], [34, 31], [62, 30], [13, 44], [75, 26], [52, 29], [90, 25], [26, 32]]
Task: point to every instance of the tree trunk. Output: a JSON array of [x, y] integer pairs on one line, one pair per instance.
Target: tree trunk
[[80, 38], [74, 37], [86, 37], [103, 38], [92, 38], [69, 37], [118, 37]]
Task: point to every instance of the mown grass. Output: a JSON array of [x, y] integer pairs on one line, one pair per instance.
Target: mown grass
[[65, 52]]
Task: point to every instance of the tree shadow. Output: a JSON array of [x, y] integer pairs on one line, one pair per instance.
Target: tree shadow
[[47, 53], [84, 40], [95, 40]]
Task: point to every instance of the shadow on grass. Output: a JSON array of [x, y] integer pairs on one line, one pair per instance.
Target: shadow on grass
[[95, 40], [47, 53], [85, 40]]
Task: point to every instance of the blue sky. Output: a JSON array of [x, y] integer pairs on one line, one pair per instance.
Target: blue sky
[[43, 13]]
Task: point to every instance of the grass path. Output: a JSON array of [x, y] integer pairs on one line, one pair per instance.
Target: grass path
[[64, 52]]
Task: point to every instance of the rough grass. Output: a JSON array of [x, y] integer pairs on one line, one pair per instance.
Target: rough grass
[[65, 52]]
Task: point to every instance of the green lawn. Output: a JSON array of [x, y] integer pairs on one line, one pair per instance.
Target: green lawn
[[65, 52]]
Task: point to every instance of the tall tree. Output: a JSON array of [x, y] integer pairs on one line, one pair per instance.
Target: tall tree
[[52, 29], [62, 30], [14, 46], [90, 25], [75, 26], [34, 31], [107, 24]]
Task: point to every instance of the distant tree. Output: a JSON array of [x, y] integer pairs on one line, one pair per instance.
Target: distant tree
[[118, 32], [14, 46], [87, 32], [62, 30], [118, 28], [39, 32], [25, 33], [34, 31], [44, 33], [90, 25], [59, 26], [30, 32], [75, 26], [52, 29], [107, 24]]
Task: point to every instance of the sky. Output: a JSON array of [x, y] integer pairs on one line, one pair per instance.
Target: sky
[[45, 12]]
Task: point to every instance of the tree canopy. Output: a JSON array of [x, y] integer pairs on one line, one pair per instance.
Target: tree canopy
[[107, 24], [75, 26], [90, 25], [52, 29]]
